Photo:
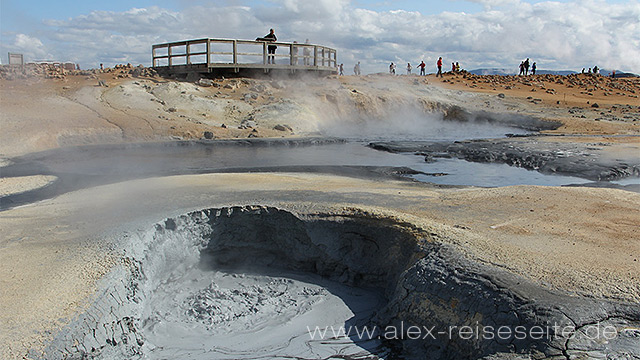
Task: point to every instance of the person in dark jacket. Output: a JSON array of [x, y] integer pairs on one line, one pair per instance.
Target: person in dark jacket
[[271, 49]]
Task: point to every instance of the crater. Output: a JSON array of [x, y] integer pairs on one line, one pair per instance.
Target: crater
[[252, 282]]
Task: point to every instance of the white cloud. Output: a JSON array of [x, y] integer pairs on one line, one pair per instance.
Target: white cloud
[[488, 4], [557, 35], [31, 47]]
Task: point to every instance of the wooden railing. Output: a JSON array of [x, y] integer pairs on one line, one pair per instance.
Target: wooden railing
[[242, 54]]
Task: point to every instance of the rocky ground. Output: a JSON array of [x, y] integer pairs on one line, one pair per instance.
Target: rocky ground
[[579, 243], [127, 104]]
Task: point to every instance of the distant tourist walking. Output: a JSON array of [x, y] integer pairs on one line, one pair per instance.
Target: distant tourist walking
[[457, 67], [422, 66], [408, 68], [392, 69], [341, 69], [453, 67], [271, 49], [439, 64], [294, 53], [526, 67], [306, 53], [356, 69], [521, 68], [533, 69], [595, 70]]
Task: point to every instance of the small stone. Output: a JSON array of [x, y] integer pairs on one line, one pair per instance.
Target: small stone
[[501, 96], [250, 96], [595, 105], [208, 135], [248, 123], [281, 127], [205, 82]]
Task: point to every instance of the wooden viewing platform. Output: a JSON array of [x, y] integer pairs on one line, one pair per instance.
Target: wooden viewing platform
[[224, 56]]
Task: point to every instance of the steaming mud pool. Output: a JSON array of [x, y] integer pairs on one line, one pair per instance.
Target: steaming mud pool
[[259, 282], [83, 167]]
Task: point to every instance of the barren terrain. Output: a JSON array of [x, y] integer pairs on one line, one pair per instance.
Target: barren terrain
[[53, 253]]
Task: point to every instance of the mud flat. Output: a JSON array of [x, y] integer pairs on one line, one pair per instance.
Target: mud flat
[[584, 157], [11, 186], [427, 252]]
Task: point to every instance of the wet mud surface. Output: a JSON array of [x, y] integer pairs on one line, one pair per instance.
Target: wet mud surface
[[535, 152], [88, 166]]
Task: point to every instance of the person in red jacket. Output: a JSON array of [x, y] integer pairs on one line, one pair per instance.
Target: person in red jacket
[[439, 63], [422, 66]]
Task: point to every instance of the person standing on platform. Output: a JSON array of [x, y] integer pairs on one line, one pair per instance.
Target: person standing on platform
[[271, 49], [306, 54]]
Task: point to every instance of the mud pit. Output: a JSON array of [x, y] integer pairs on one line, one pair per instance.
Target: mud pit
[[487, 260], [249, 282]]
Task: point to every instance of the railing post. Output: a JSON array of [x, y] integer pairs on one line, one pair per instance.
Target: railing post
[[169, 55], [153, 56], [235, 52], [323, 56], [315, 55], [208, 53], [188, 45], [264, 53], [291, 54]]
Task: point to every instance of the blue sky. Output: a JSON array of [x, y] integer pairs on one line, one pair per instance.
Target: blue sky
[[568, 34]]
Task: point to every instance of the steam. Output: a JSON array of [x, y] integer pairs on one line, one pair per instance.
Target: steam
[[411, 125], [382, 107]]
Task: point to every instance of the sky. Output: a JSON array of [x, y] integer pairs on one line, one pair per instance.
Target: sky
[[558, 35]]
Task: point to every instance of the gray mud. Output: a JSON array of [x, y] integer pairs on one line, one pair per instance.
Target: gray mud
[[88, 166], [460, 308], [582, 160]]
